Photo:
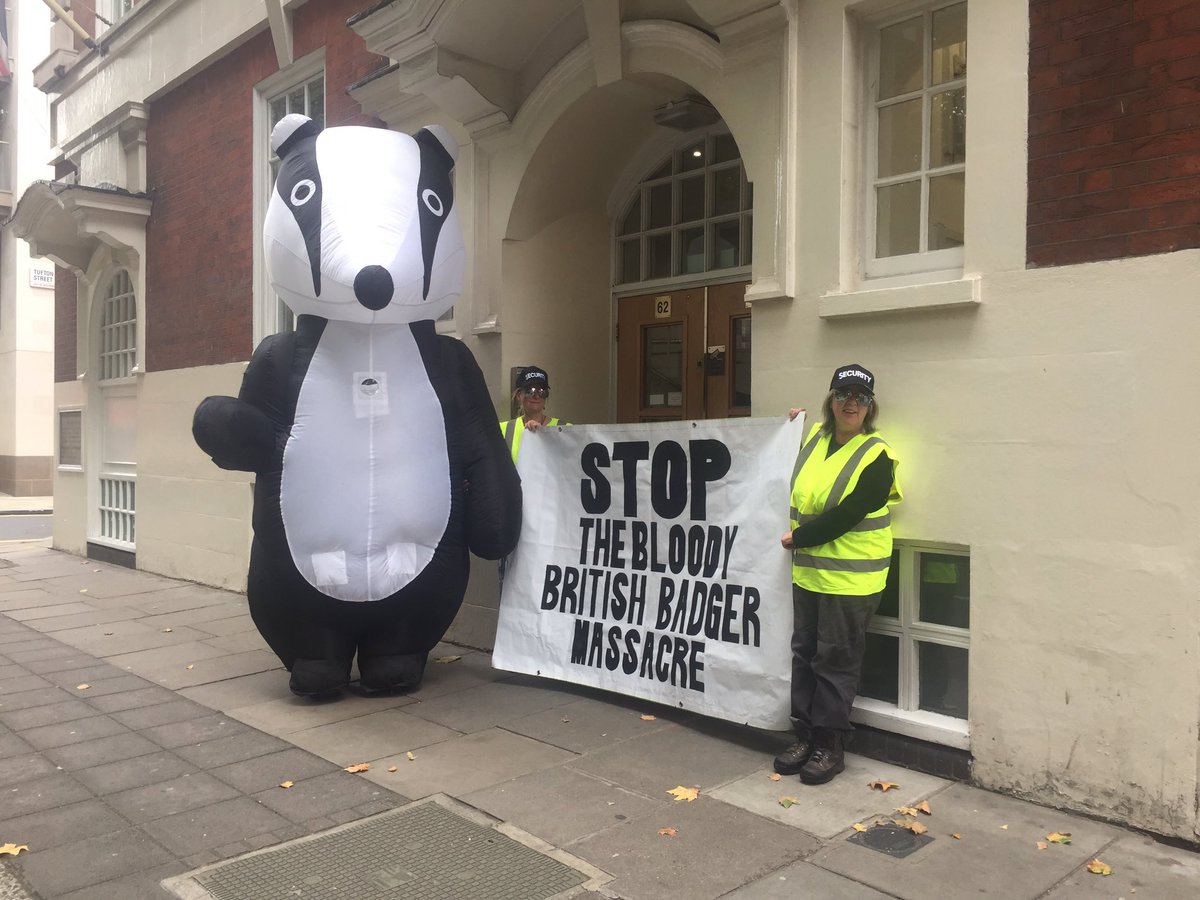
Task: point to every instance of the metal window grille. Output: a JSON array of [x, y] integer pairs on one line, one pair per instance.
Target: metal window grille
[[118, 329], [117, 508]]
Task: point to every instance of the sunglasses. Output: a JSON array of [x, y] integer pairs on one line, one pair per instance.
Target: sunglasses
[[538, 392], [859, 397]]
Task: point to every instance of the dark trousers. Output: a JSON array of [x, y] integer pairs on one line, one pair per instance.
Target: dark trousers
[[829, 636]]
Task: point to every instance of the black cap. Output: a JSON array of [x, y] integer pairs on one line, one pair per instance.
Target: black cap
[[532, 376], [853, 375]]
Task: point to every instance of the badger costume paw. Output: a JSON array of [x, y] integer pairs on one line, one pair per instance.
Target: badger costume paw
[[391, 673]]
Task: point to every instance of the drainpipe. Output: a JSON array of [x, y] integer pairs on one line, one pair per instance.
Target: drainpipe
[[71, 23]]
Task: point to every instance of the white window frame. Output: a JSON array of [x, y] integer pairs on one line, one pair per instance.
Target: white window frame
[[906, 716], [267, 318], [83, 441], [938, 265], [114, 11]]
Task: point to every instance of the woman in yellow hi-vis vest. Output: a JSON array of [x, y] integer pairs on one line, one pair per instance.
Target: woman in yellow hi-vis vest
[[533, 390], [843, 488]]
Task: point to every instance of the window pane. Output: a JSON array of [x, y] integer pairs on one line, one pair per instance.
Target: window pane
[[725, 244], [632, 223], [943, 679], [296, 102], [880, 669], [898, 219], [691, 199], [662, 357], [691, 250], [727, 191], [946, 211], [740, 387], [900, 58], [889, 602], [631, 260], [900, 138], [724, 148], [658, 256], [691, 157], [945, 590], [748, 253], [278, 110], [316, 102], [949, 43], [660, 206], [948, 128]]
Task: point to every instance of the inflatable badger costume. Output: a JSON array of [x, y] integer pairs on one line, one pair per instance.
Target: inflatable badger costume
[[373, 438]]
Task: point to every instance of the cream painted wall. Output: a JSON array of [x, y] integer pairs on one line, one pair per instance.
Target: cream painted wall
[[193, 518]]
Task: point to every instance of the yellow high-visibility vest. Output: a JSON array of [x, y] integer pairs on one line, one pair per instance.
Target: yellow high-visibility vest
[[856, 564], [514, 429]]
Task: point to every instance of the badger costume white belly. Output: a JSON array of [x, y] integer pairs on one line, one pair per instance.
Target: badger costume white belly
[[373, 438], [360, 437]]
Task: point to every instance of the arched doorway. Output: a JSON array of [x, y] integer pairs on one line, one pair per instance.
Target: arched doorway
[[681, 255]]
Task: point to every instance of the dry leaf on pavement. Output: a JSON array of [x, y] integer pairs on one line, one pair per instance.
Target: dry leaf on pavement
[[787, 802], [392, 768], [446, 659], [907, 810], [668, 831], [168, 630], [956, 836], [358, 767], [646, 717], [774, 776], [684, 793], [410, 756], [923, 806], [82, 687], [12, 849], [1042, 845], [1099, 868], [1056, 837], [912, 825], [286, 784], [189, 666], [884, 786], [859, 826]]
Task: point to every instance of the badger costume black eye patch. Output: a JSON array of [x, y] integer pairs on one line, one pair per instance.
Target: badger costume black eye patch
[[299, 184], [436, 195]]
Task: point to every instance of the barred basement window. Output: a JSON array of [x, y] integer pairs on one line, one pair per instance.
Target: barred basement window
[[117, 509], [918, 643], [70, 438]]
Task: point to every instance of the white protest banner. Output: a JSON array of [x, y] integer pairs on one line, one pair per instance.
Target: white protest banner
[[650, 564]]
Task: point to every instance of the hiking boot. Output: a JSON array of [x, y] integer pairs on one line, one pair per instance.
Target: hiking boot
[[826, 761], [792, 760]]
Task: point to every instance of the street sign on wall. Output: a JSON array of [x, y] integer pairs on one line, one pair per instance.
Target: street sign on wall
[[41, 277]]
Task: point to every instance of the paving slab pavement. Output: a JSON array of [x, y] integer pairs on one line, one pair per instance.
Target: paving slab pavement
[[145, 729]]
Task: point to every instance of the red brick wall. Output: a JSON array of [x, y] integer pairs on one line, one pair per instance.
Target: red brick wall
[[200, 237], [1114, 129]]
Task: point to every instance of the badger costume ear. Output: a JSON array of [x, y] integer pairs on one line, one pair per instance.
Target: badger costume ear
[[444, 140], [291, 130]]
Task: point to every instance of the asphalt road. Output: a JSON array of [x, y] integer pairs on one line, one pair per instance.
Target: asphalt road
[[22, 527]]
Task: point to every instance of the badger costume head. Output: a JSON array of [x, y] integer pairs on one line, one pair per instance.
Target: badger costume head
[[361, 226]]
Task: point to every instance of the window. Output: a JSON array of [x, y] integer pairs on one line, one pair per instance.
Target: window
[[691, 215], [919, 640], [70, 438], [117, 475], [110, 12], [916, 154], [118, 329]]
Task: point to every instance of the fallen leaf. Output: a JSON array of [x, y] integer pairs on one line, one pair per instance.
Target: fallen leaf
[[358, 767], [923, 806], [956, 836], [1005, 827], [907, 810], [168, 630], [1099, 868], [446, 659], [668, 831], [1042, 845], [911, 824], [83, 590], [108, 634], [391, 768], [410, 756], [1056, 837], [859, 826], [648, 718], [787, 802], [189, 666], [684, 793], [82, 687], [286, 784], [884, 786], [565, 720], [774, 776], [12, 849]]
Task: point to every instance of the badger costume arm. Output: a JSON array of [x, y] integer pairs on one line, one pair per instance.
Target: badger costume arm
[[493, 495], [239, 433]]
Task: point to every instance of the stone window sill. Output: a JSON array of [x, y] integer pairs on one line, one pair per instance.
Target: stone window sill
[[964, 292]]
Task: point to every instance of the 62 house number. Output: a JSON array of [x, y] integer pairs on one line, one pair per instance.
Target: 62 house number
[[662, 307]]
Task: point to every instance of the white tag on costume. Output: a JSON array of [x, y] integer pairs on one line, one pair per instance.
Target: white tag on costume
[[329, 568]]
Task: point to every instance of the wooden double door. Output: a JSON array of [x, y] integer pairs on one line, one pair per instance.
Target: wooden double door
[[683, 355]]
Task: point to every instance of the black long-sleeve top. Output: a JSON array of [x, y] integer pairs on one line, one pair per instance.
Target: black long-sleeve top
[[871, 492]]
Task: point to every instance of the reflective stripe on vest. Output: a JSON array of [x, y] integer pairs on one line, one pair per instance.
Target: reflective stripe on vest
[[830, 564], [869, 524]]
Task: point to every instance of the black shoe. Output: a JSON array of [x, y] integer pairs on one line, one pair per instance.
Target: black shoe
[[792, 760], [379, 674], [826, 761], [319, 679]]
